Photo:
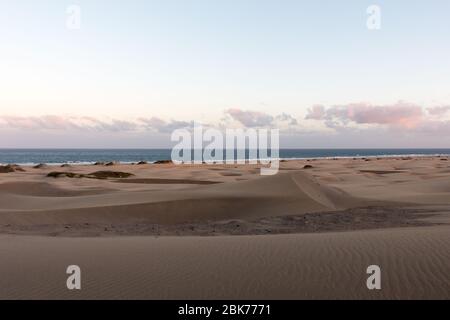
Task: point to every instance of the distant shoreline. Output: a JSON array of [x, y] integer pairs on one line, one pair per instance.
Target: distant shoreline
[[90, 163]]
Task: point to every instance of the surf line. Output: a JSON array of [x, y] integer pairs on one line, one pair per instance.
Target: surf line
[[190, 310]]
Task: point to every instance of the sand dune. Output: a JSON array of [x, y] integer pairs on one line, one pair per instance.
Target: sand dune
[[44, 189], [181, 198], [283, 194], [261, 236], [414, 264]]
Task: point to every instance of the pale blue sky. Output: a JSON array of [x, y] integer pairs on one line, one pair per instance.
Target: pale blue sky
[[192, 60]]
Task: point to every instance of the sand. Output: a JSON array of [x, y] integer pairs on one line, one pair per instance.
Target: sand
[[225, 232]]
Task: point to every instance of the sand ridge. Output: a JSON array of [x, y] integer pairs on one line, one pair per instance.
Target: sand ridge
[[193, 232], [169, 194]]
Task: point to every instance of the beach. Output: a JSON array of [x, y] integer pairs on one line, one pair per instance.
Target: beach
[[212, 231]]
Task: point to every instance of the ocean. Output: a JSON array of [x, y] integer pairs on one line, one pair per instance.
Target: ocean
[[88, 156]]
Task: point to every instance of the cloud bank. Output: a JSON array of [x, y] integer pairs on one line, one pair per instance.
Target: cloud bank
[[72, 123], [402, 116], [250, 119], [345, 125]]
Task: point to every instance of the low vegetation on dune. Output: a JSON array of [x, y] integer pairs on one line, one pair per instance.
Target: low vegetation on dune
[[40, 166], [110, 174], [57, 174], [11, 168], [93, 175], [6, 169], [162, 162]]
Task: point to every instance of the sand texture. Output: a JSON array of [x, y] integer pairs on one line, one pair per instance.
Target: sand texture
[[225, 232]]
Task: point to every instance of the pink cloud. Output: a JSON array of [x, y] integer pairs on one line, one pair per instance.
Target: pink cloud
[[400, 114], [47, 122], [250, 118], [160, 125], [438, 111], [82, 123], [54, 122], [316, 112]]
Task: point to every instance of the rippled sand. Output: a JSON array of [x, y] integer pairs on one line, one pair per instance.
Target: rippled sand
[[302, 234]]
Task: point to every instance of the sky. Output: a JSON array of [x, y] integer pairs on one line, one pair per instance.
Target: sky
[[133, 71]]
